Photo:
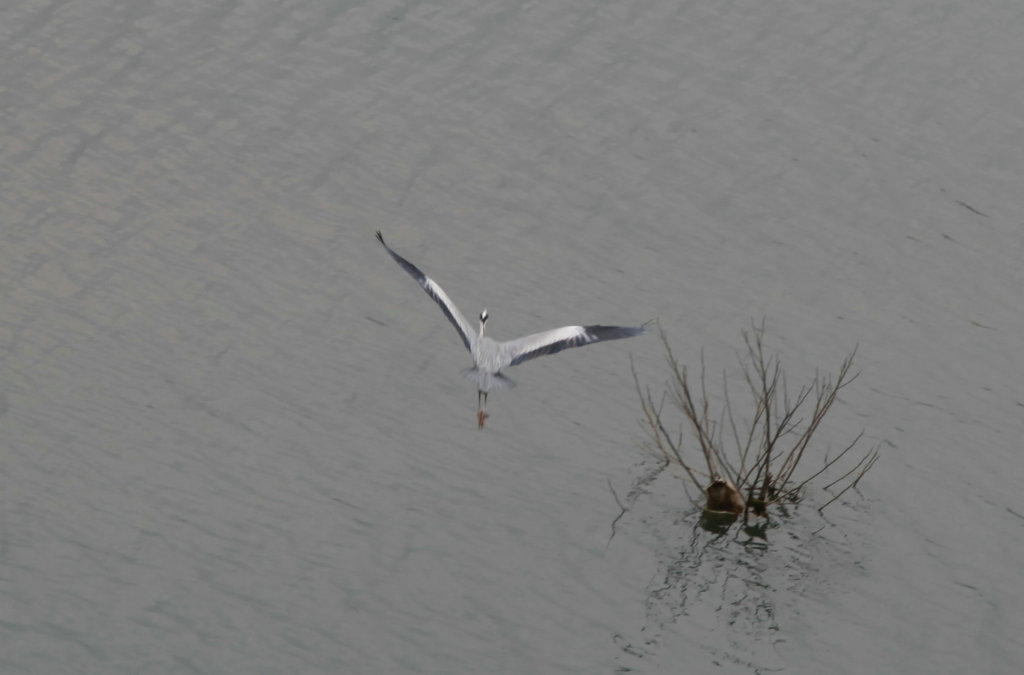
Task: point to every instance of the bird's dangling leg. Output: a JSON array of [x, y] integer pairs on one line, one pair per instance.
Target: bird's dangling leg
[[481, 409]]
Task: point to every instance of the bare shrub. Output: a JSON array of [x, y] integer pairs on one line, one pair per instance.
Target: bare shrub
[[750, 463]]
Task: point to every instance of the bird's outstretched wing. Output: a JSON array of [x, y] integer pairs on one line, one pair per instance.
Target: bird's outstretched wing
[[438, 294], [522, 349]]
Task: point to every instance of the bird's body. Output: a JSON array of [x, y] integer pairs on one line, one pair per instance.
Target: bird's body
[[490, 357], [486, 373]]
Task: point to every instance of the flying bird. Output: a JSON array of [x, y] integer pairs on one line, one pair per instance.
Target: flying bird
[[491, 357]]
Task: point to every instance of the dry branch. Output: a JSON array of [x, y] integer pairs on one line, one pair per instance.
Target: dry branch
[[766, 449]]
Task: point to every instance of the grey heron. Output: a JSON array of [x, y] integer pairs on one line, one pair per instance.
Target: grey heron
[[491, 357]]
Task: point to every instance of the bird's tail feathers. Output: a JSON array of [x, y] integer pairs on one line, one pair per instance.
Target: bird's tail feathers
[[485, 381]]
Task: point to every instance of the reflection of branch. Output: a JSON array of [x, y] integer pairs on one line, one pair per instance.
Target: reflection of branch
[[635, 491], [618, 517]]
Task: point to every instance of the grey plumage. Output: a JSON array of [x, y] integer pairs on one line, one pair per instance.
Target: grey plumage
[[491, 357]]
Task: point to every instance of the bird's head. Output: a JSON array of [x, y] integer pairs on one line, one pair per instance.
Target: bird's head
[[483, 321]]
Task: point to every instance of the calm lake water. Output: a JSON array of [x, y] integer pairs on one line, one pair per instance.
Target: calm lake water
[[233, 436]]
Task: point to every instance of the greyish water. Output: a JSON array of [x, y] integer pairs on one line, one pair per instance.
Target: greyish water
[[233, 435]]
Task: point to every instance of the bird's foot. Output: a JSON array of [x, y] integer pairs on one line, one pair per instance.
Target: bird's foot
[[481, 415]]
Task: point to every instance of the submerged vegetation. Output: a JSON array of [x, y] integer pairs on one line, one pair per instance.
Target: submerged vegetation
[[750, 457]]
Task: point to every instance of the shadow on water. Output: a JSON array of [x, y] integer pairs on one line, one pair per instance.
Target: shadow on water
[[720, 583]]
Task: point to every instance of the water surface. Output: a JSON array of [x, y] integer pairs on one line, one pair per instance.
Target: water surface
[[233, 437]]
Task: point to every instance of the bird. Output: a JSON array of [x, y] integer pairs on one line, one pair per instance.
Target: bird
[[491, 357], [723, 496]]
